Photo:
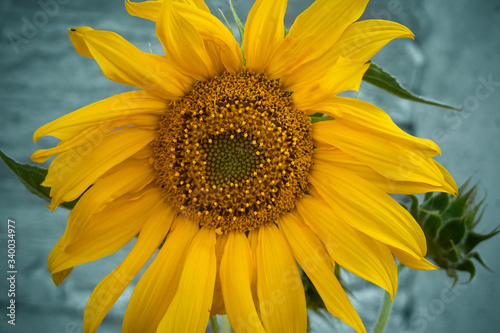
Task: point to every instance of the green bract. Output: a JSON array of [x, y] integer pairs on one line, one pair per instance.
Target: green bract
[[448, 223]]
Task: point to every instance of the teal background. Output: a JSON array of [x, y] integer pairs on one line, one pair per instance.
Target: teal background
[[456, 50]]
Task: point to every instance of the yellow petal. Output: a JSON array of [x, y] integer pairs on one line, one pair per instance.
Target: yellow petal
[[337, 157], [359, 42], [412, 262], [220, 45], [223, 50], [351, 249], [218, 301], [366, 117], [314, 32], [343, 75], [281, 294], [343, 160], [190, 308], [59, 277], [155, 290], [81, 139], [72, 172], [150, 10], [236, 276], [200, 4], [368, 209], [119, 107], [393, 159], [449, 183], [122, 62], [253, 240], [79, 43], [264, 31], [314, 260], [86, 138], [143, 154], [128, 177], [104, 234], [112, 286], [183, 44]]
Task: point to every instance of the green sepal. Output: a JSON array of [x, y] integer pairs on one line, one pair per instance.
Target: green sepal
[[241, 27], [451, 233], [476, 256], [431, 225], [317, 114], [313, 299], [227, 22], [453, 274], [468, 266], [448, 223], [438, 202], [474, 239], [380, 78], [414, 207], [459, 204], [470, 218], [454, 254], [321, 118], [457, 207], [32, 176], [337, 272]]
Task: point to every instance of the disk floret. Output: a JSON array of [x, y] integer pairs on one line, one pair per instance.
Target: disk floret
[[233, 153]]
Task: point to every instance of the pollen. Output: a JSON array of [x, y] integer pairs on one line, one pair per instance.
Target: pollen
[[234, 153]]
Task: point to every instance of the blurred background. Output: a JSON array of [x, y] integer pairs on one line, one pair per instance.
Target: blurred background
[[454, 59]]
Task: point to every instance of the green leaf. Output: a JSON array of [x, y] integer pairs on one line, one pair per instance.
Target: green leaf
[[32, 176], [381, 79]]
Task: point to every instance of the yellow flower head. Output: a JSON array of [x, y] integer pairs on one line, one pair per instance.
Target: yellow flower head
[[216, 158]]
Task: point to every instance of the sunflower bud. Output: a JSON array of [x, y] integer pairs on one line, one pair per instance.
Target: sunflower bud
[[448, 223]]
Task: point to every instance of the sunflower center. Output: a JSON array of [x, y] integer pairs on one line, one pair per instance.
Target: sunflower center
[[234, 153], [230, 159]]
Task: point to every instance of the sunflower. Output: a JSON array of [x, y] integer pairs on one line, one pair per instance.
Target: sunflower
[[216, 160]]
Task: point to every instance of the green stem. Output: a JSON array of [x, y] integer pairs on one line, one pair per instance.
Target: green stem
[[384, 314], [226, 327], [385, 311], [214, 324]]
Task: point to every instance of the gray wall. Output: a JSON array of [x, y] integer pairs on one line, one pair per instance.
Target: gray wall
[[456, 48]]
